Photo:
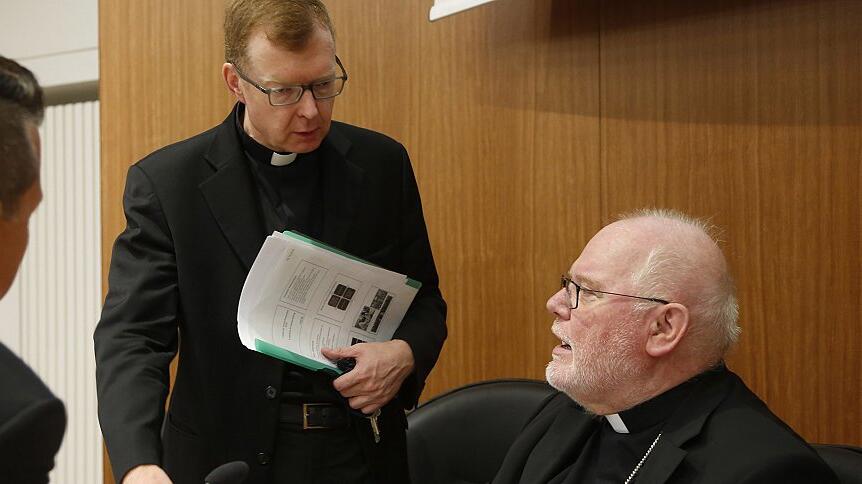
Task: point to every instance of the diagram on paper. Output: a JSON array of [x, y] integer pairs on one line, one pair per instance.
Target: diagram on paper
[[371, 316], [341, 294]]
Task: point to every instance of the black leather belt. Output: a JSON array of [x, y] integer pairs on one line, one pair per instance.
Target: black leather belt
[[312, 416]]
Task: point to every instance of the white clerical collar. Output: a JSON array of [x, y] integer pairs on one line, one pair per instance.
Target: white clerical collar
[[617, 423], [282, 160]]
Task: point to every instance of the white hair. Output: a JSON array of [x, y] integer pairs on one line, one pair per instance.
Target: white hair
[[711, 292]]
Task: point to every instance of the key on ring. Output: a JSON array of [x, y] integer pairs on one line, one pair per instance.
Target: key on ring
[[375, 429]]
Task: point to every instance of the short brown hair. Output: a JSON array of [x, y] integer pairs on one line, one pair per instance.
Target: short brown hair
[[288, 23], [21, 107], [19, 86]]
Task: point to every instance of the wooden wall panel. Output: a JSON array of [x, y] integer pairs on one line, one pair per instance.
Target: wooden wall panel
[[749, 113], [499, 111], [480, 191], [566, 171]]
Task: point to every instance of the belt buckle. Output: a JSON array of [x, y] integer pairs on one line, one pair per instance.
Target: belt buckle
[[305, 408]]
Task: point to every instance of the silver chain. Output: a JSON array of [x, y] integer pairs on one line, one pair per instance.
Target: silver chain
[[638, 467]]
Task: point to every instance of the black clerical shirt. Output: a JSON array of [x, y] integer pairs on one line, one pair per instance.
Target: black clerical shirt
[[291, 195], [610, 456], [291, 198]]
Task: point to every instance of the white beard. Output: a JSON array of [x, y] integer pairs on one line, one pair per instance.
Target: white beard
[[597, 369]]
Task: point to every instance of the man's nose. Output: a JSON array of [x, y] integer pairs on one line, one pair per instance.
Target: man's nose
[[558, 304], [307, 105]]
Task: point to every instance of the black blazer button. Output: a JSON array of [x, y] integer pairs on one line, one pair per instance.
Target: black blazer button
[[271, 392], [263, 458]]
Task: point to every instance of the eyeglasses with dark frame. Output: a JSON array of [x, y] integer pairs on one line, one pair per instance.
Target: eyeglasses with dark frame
[[283, 96], [566, 283]]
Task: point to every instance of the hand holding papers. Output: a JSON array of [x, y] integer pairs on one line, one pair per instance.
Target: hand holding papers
[[381, 369], [301, 296]]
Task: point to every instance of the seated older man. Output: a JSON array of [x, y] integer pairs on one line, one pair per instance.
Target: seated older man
[[645, 317]]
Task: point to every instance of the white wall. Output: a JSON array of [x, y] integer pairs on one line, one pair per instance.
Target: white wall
[[57, 39], [10, 317], [60, 283]]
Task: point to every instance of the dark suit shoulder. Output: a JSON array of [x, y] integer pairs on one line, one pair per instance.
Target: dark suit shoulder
[[43, 420], [30, 440], [32, 422], [167, 157], [761, 447], [19, 385], [366, 148], [364, 135], [743, 413]]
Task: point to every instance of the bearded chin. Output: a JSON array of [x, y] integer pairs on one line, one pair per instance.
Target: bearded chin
[[576, 379], [593, 373], [559, 379]]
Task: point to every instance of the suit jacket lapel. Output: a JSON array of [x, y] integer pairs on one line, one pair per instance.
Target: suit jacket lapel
[[232, 195], [685, 424], [341, 187], [661, 463]]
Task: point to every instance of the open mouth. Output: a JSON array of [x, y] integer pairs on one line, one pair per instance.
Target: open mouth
[[564, 346], [563, 349]]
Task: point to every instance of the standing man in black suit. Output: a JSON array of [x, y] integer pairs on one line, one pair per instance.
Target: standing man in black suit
[[32, 419], [645, 317], [197, 213]]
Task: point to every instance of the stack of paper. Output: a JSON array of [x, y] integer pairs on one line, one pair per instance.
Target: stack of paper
[[302, 295]]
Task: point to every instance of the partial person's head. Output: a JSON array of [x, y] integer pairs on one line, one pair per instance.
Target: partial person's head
[[673, 316], [21, 112], [282, 44]]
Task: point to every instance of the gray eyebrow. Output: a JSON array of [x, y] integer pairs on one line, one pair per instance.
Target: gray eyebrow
[[586, 283]]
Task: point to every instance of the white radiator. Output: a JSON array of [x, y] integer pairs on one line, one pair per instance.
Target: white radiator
[[59, 290]]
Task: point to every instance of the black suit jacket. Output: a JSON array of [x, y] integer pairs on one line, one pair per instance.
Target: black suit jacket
[[32, 423], [722, 433], [193, 230]]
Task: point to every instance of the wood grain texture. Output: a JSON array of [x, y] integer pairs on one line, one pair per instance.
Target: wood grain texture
[[499, 111], [530, 124], [749, 113]]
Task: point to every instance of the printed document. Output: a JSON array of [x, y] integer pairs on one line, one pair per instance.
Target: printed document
[[302, 295]]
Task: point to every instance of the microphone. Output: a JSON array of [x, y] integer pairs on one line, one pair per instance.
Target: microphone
[[231, 473]]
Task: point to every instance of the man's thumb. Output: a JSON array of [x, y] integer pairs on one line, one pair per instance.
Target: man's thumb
[[338, 353]]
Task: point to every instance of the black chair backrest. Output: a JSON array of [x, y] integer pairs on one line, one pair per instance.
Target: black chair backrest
[[461, 437], [845, 461]]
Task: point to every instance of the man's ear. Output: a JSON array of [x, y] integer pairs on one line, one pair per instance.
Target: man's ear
[[231, 80], [667, 326]]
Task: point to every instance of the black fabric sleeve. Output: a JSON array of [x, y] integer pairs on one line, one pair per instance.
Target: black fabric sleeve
[[136, 337]]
